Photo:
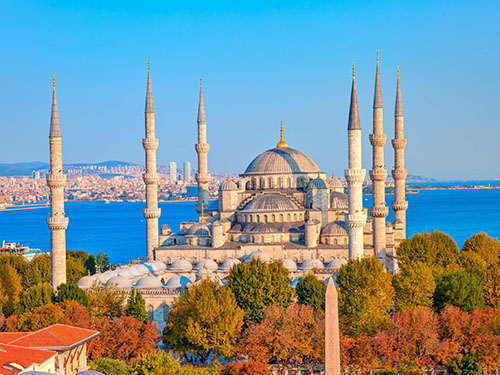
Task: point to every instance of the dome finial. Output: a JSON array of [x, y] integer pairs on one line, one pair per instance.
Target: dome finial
[[54, 79], [228, 179], [281, 143], [202, 214], [353, 69], [333, 175], [149, 65]]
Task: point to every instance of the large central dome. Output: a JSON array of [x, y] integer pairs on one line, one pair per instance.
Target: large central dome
[[281, 161]]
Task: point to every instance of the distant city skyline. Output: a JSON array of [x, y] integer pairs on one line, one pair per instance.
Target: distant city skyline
[[261, 63]]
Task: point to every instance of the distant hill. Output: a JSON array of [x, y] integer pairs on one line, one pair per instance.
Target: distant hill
[[25, 169]]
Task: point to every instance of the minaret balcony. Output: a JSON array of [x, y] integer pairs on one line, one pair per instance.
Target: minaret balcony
[[381, 211], [357, 220], [354, 176], [150, 144], [399, 144], [203, 178], [400, 205], [151, 178], [57, 222], [202, 148], [152, 213], [378, 174], [378, 140], [55, 181], [399, 174]]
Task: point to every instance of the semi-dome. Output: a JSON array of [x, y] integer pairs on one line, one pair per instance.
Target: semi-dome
[[200, 229], [263, 228], [289, 264], [178, 282], [337, 263], [259, 254], [270, 202], [206, 263], [281, 161], [228, 185], [119, 282], [148, 282], [181, 265], [335, 228], [124, 272], [229, 264], [311, 264], [317, 183]]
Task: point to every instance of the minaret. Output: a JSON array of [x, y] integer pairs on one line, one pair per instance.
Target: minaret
[[355, 176], [150, 144], [202, 148], [399, 205], [378, 174], [56, 181]]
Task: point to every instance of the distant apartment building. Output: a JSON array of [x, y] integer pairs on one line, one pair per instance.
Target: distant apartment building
[[187, 171], [173, 172]]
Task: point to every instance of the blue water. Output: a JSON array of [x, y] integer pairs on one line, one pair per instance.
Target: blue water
[[119, 229]]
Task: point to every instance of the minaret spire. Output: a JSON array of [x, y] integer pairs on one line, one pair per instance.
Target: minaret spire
[[378, 173], [355, 176], [56, 181], [399, 205], [151, 179], [202, 148]]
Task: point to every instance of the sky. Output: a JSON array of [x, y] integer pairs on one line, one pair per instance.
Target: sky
[[262, 62]]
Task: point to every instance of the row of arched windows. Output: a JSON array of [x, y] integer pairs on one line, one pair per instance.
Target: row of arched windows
[[276, 183], [271, 218]]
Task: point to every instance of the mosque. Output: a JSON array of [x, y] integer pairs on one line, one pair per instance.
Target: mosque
[[281, 208]]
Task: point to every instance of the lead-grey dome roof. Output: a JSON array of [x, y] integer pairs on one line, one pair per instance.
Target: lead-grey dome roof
[[148, 282], [335, 228], [317, 183], [271, 202], [281, 160], [228, 185]]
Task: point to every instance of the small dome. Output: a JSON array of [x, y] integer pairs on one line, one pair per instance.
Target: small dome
[[317, 183], [204, 272], [87, 282], [178, 282], [228, 185], [200, 229], [289, 264], [135, 272], [270, 202], [335, 183], [160, 264], [206, 263], [181, 265], [124, 272], [337, 263], [229, 264], [89, 372], [142, 268], [119, 282], [312, 222], [335, 228], [388, 224], [311, 264], [259, 254], [148, 282], [103, 277]]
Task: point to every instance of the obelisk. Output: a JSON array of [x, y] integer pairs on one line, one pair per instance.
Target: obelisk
[[332, 337]]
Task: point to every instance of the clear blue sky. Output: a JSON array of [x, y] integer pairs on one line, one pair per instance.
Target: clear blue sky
[[262, 62]]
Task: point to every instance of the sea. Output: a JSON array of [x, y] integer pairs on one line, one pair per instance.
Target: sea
[[119, 228]]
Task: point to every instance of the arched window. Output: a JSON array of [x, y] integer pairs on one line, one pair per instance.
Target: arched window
[[281, 218], [249, 218], [258, 218], [280, 183], [288, 217], [273, 218], [247, 186], [290, 182], [262, 183], [294, 217], [151, 312], [270, 183], [265, 218]]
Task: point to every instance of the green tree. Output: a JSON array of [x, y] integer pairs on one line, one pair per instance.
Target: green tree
[[414, 286], [20, 264], [136, 306], [365, 296], [109, 366], [102, 261], [71, 292], [311, 291], [257, 285], [463, 289], [90, 264], [491, 287], [155, 363], [35, 296], [486, 247], [10, 289], [105, 301], [74, 269], [464, 365], [204, 320], [41, 265]]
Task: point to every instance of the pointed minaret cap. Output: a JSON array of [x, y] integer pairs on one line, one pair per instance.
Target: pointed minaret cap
[[55, 127], [150, 108], [399, 104], [354, 122], [377, 100], [281, 143], [201, 105]]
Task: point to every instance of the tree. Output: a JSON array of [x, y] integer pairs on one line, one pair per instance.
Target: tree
[[365, 296], [102, 261], [463, 289], [486, 247], [105, 301], [19, 263], [286, 337], [464, 365], [74, 269], [109, 366], [136, 306], [10, 289], [35, 296], [311, 291], [71, 292], [257, 285], [245, 368], [414, 286], [491, 287], [90, 264], [204, 320], [41, 265], [358, 354]]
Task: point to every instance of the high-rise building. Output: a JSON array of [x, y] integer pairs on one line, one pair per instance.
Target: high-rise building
[[173, 172], [187, 171]]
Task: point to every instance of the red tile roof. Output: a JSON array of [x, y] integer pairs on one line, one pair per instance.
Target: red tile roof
[[21, 356], [56, 336]]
